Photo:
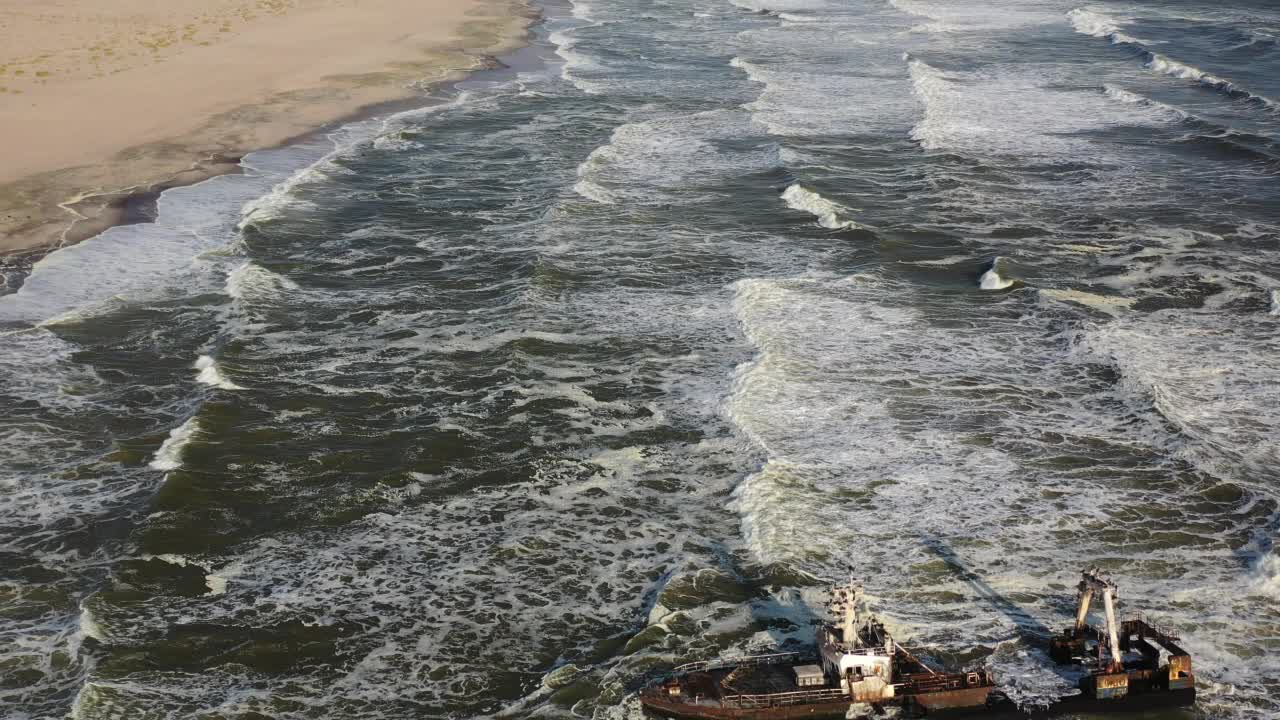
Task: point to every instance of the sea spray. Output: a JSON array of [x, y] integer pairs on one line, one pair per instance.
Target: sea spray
[[992, 279]]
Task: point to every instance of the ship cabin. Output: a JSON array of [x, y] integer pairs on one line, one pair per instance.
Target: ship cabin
[[859, 652]]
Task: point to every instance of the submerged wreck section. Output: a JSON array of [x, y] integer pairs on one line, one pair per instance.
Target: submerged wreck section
[[1124, 657], [857, 668]]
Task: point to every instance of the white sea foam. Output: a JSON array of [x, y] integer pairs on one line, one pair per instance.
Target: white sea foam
[[940, 262], [797, 102], [1125, 96], [252, 282], [89, 626], [219, 581], [780, 6], [670, 159], [828, 213], [1002, 111], [933, 90], [993, 280], [798, 18], [753, 71], [1195, 369], [1275, 302], [169, 456], [575, 62], [171, 558], [210, 374], [283, 197], [130, 263], [1168, 66], [594, 192], [948, 17], [1267, 576], [1099, 24], [1110, 304], [881, 425], [1165, 65]]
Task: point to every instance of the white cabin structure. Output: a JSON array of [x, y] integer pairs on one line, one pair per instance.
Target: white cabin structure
[[859, 651]]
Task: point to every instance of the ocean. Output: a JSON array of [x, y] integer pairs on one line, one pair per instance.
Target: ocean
[[615, 356]]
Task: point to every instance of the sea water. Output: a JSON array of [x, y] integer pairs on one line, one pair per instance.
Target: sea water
[[611, 360]]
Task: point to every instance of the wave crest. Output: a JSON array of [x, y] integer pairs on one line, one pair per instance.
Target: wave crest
[[211, 374], [169, 456], [1101, 25], [993, 280], [828, 213]]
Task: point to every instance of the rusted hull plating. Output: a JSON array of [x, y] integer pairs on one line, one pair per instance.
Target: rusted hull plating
[[1001, 710], [656, 705]]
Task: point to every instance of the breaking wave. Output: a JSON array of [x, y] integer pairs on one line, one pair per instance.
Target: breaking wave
[[250, 281], [1097, 24], [169, 456], [1267, 576], [1132, 98], [828, 213], [1103, 26], [1188, 366], [211, 375], [1168, 66], [993, 280]]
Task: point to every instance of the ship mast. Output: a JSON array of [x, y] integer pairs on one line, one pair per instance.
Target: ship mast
[[844, 606], [1091, 585]]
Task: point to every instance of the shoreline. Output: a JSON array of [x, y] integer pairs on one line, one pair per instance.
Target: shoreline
[[44, 212]]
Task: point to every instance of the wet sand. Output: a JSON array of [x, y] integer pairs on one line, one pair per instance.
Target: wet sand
[[104, 100]]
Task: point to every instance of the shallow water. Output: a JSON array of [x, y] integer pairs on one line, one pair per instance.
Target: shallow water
[[610, 360]]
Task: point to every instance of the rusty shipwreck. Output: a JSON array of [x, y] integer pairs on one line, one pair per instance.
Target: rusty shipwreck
[[857, 669]]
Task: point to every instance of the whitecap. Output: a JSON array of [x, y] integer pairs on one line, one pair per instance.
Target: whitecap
[[828, 213], [993, 280], [1267, 576], [594, 192], [216, 583], [1100, 25], [947, 17], [574, 61], [796, 18], [169, 456], [211, 374], [253, 282], [1110, 304], [1132, 98], [89, 626], [1162, 64], [753, 71], [949, 260]]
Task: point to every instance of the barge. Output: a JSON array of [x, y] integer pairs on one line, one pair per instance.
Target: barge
[[856, 669]]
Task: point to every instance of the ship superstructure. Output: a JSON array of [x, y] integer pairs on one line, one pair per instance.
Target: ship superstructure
[[859, 651], [1122, 657], [857, 663], [858, 669]]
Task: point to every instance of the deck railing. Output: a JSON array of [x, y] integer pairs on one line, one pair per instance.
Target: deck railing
[[1165, 631], [771, 659], [799, 697]]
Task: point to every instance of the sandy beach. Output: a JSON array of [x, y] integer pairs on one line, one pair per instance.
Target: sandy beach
[[102, 99]]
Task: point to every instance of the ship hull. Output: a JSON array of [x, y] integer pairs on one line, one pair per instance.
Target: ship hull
[[941, 705], [689, 711]]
